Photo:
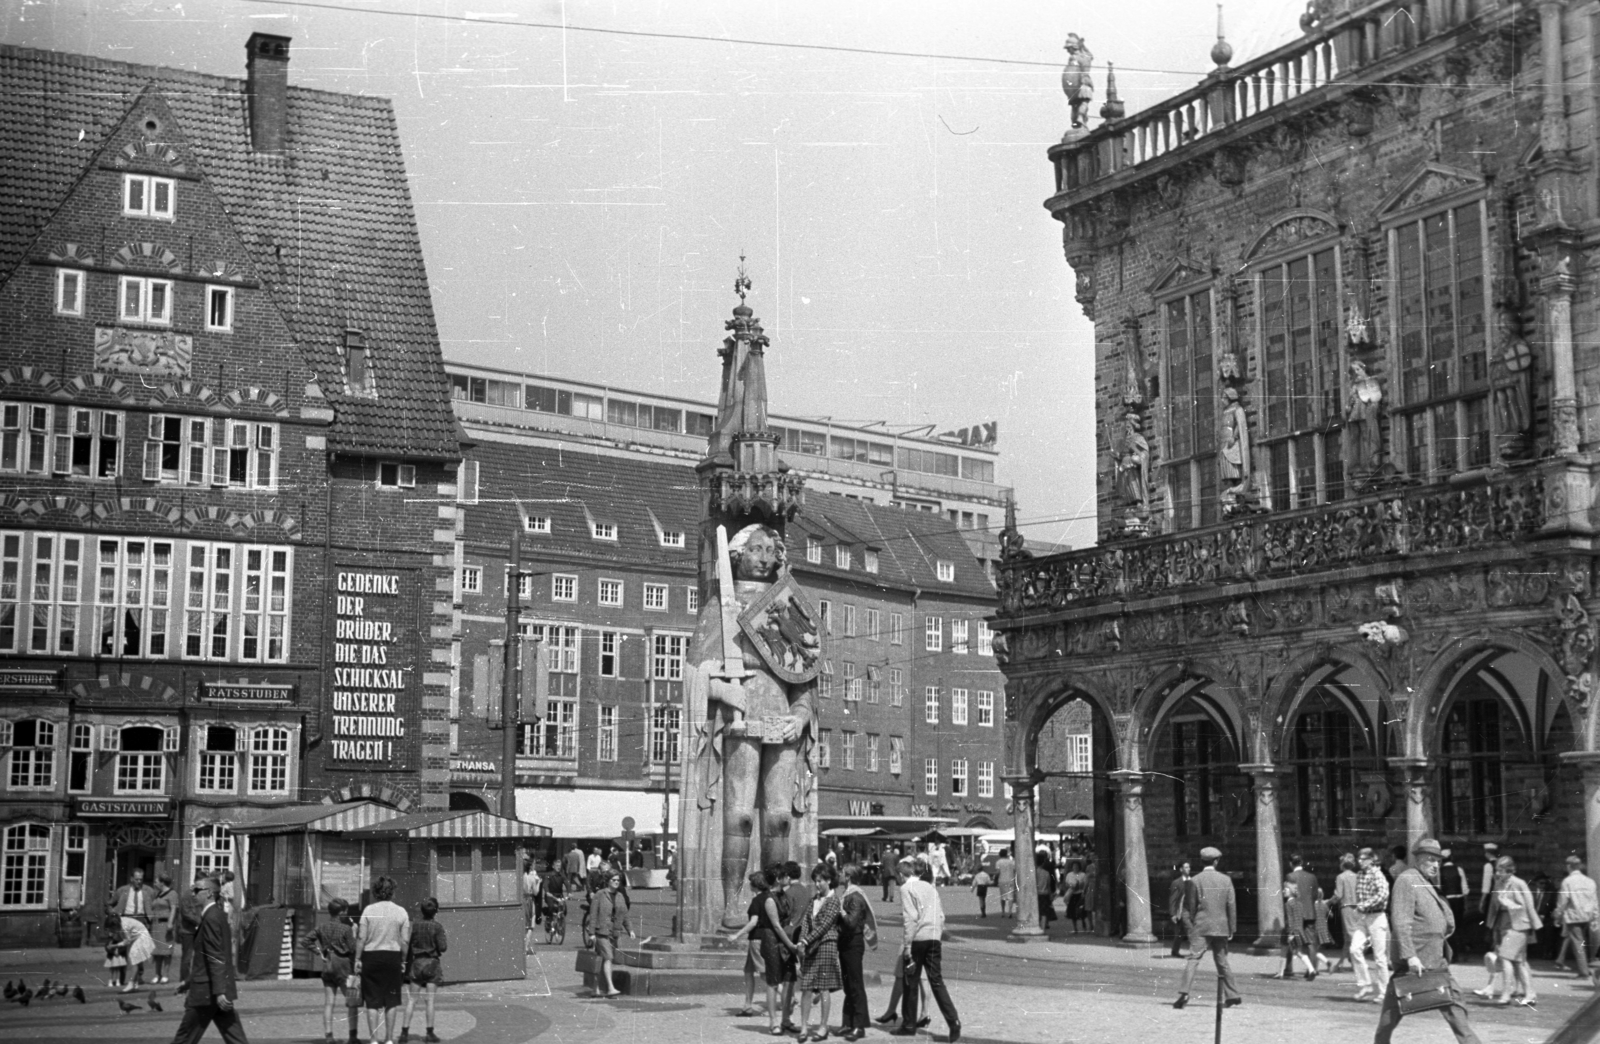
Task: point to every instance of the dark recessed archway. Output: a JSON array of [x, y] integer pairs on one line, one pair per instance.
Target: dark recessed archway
[[460, 801]]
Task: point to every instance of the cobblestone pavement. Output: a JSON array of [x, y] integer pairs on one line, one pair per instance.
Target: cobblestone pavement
[[1069, 990]]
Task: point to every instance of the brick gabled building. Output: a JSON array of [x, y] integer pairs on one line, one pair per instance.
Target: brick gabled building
[[225, 440]]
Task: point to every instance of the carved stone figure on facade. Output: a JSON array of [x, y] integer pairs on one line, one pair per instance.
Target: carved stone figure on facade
[[1361, 434], [1578, 641], [1130, 464], [1075, 81], [1511, 376], [759, 667], [1234, 461]]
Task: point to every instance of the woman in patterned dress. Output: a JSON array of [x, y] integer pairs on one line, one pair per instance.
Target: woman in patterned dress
[[819, 951], [161, 910]]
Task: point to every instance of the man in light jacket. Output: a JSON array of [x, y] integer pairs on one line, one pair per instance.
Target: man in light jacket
[[923, 915], [1421, 920], [1214, 917], [1577, 910]]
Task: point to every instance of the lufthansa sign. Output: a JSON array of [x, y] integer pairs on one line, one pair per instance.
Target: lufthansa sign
[[144, 808], [246, 693]]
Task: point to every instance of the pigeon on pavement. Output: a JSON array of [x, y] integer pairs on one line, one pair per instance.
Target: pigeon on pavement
[[155, 1005], [127, 1009], [23, 996], [77, 995]]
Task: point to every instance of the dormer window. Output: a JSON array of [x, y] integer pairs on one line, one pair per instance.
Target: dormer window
[[603, 530], [672, 538], [869, 561], [537, 523], [144, 196], [358, 375], [813, 550], [394, 475], [947, 571]]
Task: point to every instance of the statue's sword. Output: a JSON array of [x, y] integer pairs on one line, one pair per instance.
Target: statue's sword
[[733, 670]]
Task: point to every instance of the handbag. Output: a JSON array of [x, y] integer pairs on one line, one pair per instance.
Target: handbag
[[1427, 991]]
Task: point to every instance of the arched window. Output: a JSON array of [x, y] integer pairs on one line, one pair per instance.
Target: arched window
[[1327, 739], [141, 765], [1199, 753], [26, 866], [219, 760], [269, 761], [33, 754], [1477, 735], [213, 849]]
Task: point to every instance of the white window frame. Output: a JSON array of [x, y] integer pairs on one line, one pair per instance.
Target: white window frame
[[145, 297], [985, 709], [958, 777], [666, 728], [536, 524], [985, 639], [959, 630], [140, 761], [43, 584], [213, 293], [874, 622], [472, 580], [559, 729], [841, 557], [609, 592], [563, 587], [692, 599], [610, 648], [849, 743], [930, 777], [933, 634], [958, 706], [869, 561], [897, 755], [667, 653], [1080, 752], [560, 642], [603, 531], [872, 752], [849, 620], [946, 571], [25, 866], [37, 761], [672, 538], [145, 205], [82, 745], [78, 280], [393, 474], [656, 598], [74, 842], [813, 550], [825, 748], [874, 683], [986, 779], [221, 765], [930, 704], [897, 686], [270, 749], [212, 847], [897, 629], [824, 616], [852, 683], [606, 737], [825, 681]]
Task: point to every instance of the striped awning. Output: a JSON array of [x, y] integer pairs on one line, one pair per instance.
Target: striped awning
[[323, 819], [457, 825]]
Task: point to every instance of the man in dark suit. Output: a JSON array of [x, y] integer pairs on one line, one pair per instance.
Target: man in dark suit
[[1177, 894], [212, 990], [1421, 921], [1214, 918], [186, 925]]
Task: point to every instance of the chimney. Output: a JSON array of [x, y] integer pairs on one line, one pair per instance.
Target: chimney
[[267, 84]]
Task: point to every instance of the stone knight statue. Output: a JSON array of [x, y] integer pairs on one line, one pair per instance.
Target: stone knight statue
[[750, 696], [1075, 81]]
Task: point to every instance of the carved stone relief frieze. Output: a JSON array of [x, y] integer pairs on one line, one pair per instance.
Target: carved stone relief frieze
[[1523, 584]]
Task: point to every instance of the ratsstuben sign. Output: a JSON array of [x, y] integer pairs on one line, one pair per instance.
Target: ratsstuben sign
[[227, 692]]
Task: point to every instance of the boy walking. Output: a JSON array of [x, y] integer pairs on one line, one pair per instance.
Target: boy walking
[[428, 943]]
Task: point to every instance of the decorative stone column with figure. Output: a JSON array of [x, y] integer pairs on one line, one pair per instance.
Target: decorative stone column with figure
[[1075, 81]]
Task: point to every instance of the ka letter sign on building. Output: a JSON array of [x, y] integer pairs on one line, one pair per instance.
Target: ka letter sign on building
[[372, 672]]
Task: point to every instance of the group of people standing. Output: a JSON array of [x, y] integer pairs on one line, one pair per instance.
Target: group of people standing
[[1407, 917], [811, 942]]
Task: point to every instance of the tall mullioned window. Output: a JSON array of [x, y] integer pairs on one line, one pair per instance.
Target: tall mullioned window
[[1301, 334], [1191, 409], [1440, 313]]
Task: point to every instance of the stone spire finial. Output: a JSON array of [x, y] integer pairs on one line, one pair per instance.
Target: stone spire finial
[[1113, 108], [1221, 51]]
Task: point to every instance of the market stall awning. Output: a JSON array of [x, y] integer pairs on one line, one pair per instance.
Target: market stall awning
[[458, 825], [595, 813], [965, 831], [1075, 824], [853, 831], [330, 818]]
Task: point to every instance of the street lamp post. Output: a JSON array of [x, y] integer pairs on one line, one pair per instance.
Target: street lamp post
[[511, 682]]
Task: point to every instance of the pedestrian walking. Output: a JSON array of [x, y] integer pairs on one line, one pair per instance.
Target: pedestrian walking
[[424, 973], [1515, 917], [858, 930], [1214, 917], [335, 942], [212, 989], [608, 918], [980, 888], [162, 909], [1005, 874], [1351, 920], [1309, 890], [1372, 901], [1453, 886], [1044, 887], [1577, 911], [188, 924], [1491, 852], [1074, 888], [818, 950], [382, 939], [923, 917], [531, 913], [1177, 908], [1296, 940], [1422, 922]]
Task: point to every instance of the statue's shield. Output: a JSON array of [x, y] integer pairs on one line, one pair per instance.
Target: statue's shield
[[782, 625]]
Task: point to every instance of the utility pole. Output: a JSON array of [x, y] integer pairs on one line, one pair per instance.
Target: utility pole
[[511, 681]]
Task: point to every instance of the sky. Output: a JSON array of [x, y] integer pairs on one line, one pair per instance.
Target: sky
[[584, 196]]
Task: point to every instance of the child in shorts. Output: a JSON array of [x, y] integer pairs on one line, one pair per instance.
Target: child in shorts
[[427, 944], [335, 942]]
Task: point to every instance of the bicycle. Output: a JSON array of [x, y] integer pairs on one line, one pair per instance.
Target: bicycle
[[555, 922]]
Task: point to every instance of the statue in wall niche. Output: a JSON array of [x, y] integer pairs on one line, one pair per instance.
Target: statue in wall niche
[[1130, 460], [1361, 419], [1234, 461], [1511, 377], [1075, 81]]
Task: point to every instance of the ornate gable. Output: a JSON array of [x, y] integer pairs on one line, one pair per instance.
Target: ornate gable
[[1289, 231], [148, 141], [1178, 272], [1433, 181]]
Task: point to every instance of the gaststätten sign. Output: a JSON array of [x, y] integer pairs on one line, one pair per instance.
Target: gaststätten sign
[[124, 808]]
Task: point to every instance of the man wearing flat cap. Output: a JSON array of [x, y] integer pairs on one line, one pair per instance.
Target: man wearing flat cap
[[1420, 921], [1213, 918]]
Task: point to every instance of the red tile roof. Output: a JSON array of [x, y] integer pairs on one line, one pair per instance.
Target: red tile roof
[[329, 224]]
